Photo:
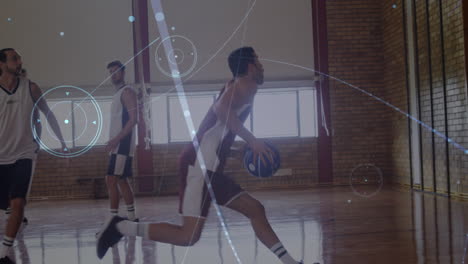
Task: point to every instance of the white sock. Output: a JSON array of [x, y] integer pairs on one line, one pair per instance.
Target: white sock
[[129, 228], [131, 212], [279, 250], [113, 212], [6, 245]]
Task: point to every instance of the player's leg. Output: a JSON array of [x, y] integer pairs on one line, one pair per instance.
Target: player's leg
[[126, 189], [186, 234], [19, 177], [128, 196], [24, 223], [195, 203], [114, 195], [17, 212], [114, 169], [255, 211]]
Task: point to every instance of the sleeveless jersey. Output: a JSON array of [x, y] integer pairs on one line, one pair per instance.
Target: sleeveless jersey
[[120, 117], [16, 136]]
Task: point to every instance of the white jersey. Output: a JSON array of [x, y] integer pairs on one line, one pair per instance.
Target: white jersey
[[16, 136], [120, 117]]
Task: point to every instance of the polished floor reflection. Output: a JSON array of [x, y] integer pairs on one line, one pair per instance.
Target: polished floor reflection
[[325, 225]]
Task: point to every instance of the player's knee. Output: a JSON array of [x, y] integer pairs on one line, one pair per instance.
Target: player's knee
[[122, 180], [190, 234], [191, 239], [123, 183], [111, 180]]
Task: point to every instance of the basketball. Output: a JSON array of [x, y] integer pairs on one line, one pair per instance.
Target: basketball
[[259, 168]]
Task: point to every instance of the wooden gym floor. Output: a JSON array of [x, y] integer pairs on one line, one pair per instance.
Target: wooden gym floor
[[325, 225]]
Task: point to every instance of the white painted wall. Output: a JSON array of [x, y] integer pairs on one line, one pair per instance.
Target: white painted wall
[[277, 29], [95, 32], [98, 31]]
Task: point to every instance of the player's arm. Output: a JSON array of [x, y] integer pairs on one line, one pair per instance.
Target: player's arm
[[226, 110], [129, 101], [44, 108], [37, 125]]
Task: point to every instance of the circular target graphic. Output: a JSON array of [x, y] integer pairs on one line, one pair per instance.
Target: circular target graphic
[[79, 118], [366, 180], [180, 59]]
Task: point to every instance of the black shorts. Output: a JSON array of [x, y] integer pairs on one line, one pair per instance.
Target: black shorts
[[120, 165], [15, 181], [194, 197]]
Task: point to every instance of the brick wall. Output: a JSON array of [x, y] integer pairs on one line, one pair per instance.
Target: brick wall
[[436, 91], [53, 177], [455, 92], [83, 177], [359, 122], [395, 86]]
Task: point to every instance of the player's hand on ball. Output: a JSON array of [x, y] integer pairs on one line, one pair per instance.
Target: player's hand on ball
[[261, 151]]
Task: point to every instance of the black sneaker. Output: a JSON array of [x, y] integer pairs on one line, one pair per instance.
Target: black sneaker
[[96, 235], [6, 260], [108, 236], [25, 221]]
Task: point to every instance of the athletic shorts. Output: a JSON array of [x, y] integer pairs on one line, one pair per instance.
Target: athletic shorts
[[194, 198], [15, 181], [120, 165]]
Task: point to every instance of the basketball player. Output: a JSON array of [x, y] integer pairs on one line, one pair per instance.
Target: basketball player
[[213, 140], [122, 141], [23, 74], [18, 148]]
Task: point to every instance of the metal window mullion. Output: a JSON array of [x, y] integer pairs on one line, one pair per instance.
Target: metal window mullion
[[407, 84], [252, 120], [298, 115], [418, 90], [316, 117], [169, 140], [428, 28], [73, 123]]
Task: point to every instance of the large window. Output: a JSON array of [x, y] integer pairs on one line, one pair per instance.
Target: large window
[[276, 113], [198, 107]]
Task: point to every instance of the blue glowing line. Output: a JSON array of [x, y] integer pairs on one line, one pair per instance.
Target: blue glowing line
[[449, 140]]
